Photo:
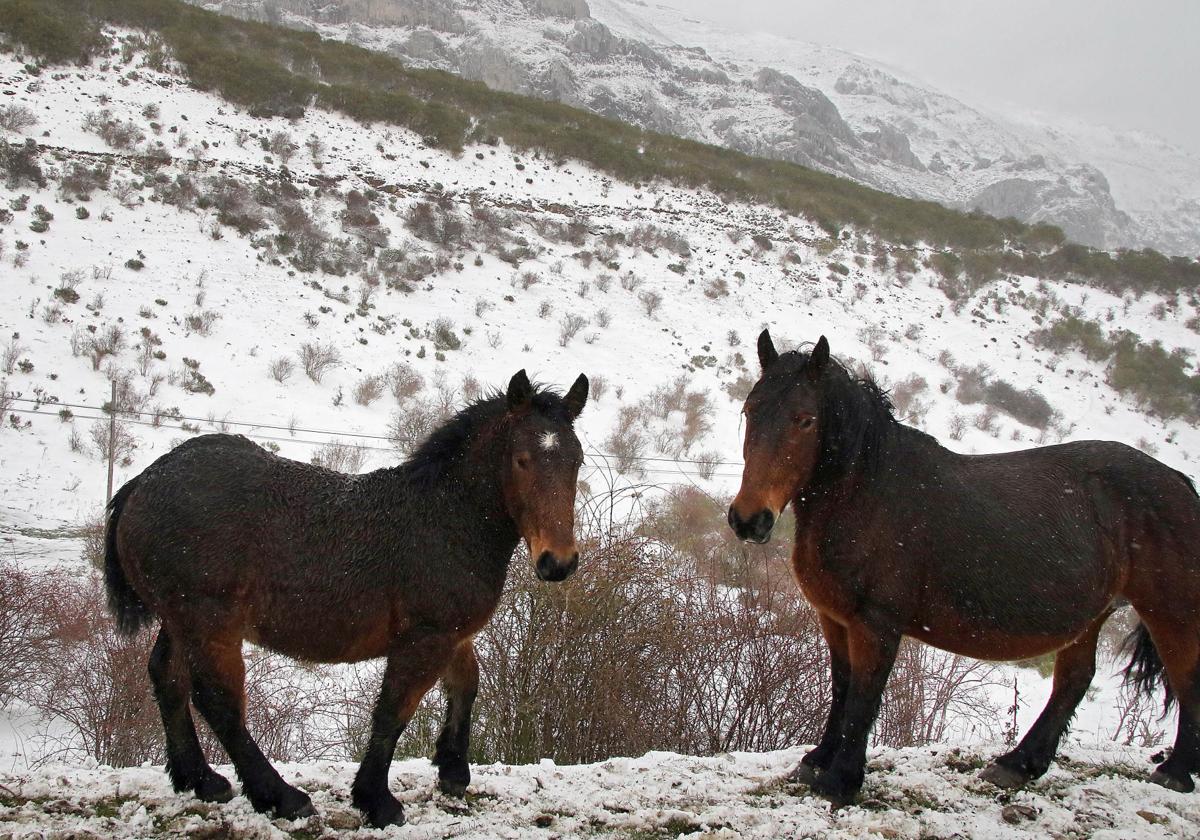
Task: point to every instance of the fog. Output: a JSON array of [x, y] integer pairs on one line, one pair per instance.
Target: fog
[[1122, 64]]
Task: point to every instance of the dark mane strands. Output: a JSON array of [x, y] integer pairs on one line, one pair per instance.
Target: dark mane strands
[[858, 422], [447, 443]]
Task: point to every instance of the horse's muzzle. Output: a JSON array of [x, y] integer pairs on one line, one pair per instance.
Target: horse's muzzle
[[554, 569], [756, 529]]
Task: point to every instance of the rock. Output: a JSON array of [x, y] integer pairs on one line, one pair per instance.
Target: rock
[[1153, 818], [570, 9], [1018, 812]]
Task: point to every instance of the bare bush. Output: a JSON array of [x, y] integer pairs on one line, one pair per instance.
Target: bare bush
[[627, 443], [404, 381], [117, 133], [411, 425], [317, 358], [368, 389], [11, 354], [119, 446], [597, 386], [340, 456], [281, 369], [282, 147], [651, 301], [201, 321], [107, 342], [568, 327], [16, 118]]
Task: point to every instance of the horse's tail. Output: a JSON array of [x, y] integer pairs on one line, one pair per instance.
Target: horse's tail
[[126, 606], [1145, 668]]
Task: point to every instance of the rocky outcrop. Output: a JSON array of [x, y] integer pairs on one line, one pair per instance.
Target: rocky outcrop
[[494, 66], [569, 9], [812, 109], [891, 144]]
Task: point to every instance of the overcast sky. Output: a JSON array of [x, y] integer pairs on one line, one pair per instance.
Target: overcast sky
[[1132, 64]]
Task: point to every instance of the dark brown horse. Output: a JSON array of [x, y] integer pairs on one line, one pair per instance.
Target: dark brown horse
[[991, 556], [225, 542]]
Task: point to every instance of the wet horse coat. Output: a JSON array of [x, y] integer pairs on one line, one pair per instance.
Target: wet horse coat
[[225, 542], [991, 556]]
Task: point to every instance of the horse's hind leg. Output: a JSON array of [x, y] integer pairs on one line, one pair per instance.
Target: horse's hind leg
[[461, 682], [839, 671], [1074, 667], [1178, 646], [218, 679], [185, 760]]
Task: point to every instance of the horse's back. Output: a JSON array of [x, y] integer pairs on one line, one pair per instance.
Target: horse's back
[[215, 513]]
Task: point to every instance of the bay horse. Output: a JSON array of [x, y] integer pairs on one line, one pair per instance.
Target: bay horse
[[1000, 557], [224, 542]]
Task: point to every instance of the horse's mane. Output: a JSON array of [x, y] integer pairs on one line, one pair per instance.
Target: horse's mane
[[858, 420], [429, 463]]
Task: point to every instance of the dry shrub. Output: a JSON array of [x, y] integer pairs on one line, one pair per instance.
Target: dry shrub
[[368, 389], [317, 358], [627, 443], [118, 446], [281, 369], [340, 456], [405, 381], [569, 326], [91, 691], [412, 424], [25, 636]]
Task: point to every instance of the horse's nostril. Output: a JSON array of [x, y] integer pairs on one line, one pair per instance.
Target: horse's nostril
[[733, 519]]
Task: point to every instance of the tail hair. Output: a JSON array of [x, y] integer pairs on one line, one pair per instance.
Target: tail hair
[[124, 603], [1145, 670]]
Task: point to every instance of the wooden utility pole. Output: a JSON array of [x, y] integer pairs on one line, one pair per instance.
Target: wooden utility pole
[[112, 439]]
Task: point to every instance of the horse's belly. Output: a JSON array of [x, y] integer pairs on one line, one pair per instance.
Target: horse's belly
[[322, 639]]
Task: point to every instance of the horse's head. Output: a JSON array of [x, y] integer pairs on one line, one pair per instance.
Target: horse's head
[[783, 436], [540, 472]]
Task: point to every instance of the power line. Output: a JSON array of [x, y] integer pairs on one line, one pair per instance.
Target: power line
[[291, 429], [307, 442]]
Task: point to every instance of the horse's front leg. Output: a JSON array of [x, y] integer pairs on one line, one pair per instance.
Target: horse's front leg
[[461, 682], [839, 673], [413, 666], [872, 654]]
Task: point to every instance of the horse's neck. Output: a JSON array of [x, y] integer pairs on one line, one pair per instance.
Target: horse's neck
[[841, 498], [460, 515]]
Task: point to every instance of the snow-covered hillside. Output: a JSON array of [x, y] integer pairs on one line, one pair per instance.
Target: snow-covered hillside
[[171, 250], [652, 65], [733, 270]]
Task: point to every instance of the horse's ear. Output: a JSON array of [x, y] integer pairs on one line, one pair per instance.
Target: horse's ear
[[520, 391], [766, 350], [817, 359], [576, 398]]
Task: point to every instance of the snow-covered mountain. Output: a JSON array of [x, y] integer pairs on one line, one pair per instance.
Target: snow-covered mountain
[[649, 64]]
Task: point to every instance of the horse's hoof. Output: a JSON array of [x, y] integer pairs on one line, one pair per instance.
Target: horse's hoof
[[214, 788], [1003, 777], [804, 774], [453, 787], [838, 792], [295, 805], [385, 814], [1184, 785]]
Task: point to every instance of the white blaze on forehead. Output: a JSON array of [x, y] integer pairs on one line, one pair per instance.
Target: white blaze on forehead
[[549, 441]]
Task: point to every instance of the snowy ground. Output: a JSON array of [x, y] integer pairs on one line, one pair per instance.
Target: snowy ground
[[910, 793]]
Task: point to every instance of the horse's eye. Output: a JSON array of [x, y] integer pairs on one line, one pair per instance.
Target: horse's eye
[[523, 461], [806, 421]]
